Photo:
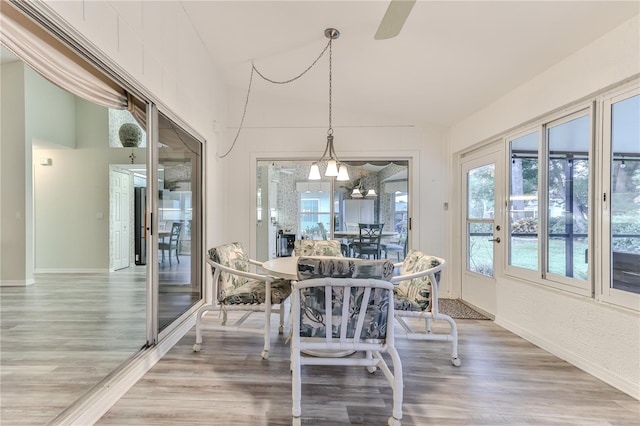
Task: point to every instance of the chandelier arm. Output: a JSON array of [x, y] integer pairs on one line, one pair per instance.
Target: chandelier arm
[[296, 77], [326, 148], [244, 113]]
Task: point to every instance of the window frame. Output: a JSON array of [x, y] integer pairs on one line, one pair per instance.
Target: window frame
[[603, 291], [511, 270], [583, 287], [541, 276]]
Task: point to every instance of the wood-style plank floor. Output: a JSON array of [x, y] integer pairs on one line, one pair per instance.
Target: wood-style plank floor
[[503, 380], [64, 334]]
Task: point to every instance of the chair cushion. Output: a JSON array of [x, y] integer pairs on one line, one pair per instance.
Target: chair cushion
[[317, 248], [254, 291], [413, 295], [233, 256], [313, 312], [235, 289], [345, 267]]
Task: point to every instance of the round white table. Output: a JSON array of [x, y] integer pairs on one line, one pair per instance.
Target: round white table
[[282, 267]]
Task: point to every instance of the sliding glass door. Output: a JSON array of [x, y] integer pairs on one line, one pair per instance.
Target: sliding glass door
[[179, 221], [290, 206]]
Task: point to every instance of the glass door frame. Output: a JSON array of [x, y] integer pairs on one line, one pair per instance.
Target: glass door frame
[[413, 186], [477, 289]]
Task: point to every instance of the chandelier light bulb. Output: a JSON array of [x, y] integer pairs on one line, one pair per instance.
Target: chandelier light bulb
[[372, 193], [332, 168], [314, 173], [356, 193], [343, 173]]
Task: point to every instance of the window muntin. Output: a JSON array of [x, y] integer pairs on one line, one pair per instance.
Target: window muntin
[[624, 232], [523, 202], [567, 197]]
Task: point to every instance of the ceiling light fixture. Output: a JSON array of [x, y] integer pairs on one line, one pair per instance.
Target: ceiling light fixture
[[333, 166]]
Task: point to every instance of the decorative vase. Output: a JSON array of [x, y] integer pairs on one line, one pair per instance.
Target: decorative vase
[[130, 135]]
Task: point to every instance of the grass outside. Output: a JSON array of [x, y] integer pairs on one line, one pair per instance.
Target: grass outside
[[525, 255]]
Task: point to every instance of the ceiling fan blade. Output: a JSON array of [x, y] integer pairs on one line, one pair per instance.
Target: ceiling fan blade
[[394, 19]]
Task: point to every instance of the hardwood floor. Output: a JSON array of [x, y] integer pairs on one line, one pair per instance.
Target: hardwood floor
[[503, 380], [64, 334], [57, 342]]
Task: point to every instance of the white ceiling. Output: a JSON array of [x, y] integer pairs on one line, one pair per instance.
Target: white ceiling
[[450, 59]]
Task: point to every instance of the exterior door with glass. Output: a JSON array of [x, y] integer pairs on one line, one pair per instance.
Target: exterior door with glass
[[482, 229]]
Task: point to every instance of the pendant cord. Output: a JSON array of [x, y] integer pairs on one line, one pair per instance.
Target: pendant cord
[[330, 131], [255, 70]]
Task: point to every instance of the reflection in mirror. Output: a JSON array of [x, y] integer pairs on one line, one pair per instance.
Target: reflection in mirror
[[179, 221], [84, 315], [290, 207]]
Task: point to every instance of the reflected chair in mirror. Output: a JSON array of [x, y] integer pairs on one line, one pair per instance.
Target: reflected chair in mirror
[[416, 296], [344, 304], [317, 248], [368, 241], [398, 246], [235, 288], [171, 242]]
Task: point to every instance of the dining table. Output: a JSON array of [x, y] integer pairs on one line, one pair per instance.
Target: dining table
[[355, 234], [282, 267]]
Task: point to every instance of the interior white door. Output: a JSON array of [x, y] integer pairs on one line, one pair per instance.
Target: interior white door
[[482, 230], [119, 223]]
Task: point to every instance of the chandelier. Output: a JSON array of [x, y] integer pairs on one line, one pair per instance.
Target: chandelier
[[359, 191], [333, 166]]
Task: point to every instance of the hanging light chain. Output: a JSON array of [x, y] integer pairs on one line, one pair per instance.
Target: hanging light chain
[[255, 70], [330, 130], [297, 76]]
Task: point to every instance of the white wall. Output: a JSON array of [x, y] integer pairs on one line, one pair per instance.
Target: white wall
[[13, 227], [69, 194], [601, 339]]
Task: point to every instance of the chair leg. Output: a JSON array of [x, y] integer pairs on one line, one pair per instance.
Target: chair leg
[[282, 312], [267, 324], [177, 258], [454, 338], [397, 387], [296, 385], [169, 256]]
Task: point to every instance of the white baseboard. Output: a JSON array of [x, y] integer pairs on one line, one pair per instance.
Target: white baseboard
[[621, 383], [91, 407], [71, 271], [16, 283]]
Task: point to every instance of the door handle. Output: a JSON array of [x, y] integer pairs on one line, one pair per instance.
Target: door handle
[[497, 239]]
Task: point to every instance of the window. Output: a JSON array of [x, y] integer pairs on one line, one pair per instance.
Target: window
[[621, 230], [523, 202], [549, 200], [401, 215], [480, 217], [573, 212], [567, 196], [309, 216]]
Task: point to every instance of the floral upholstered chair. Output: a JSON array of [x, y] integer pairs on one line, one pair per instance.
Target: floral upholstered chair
[[416, 296], [338, 305], [317, 248], [235, 288]]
